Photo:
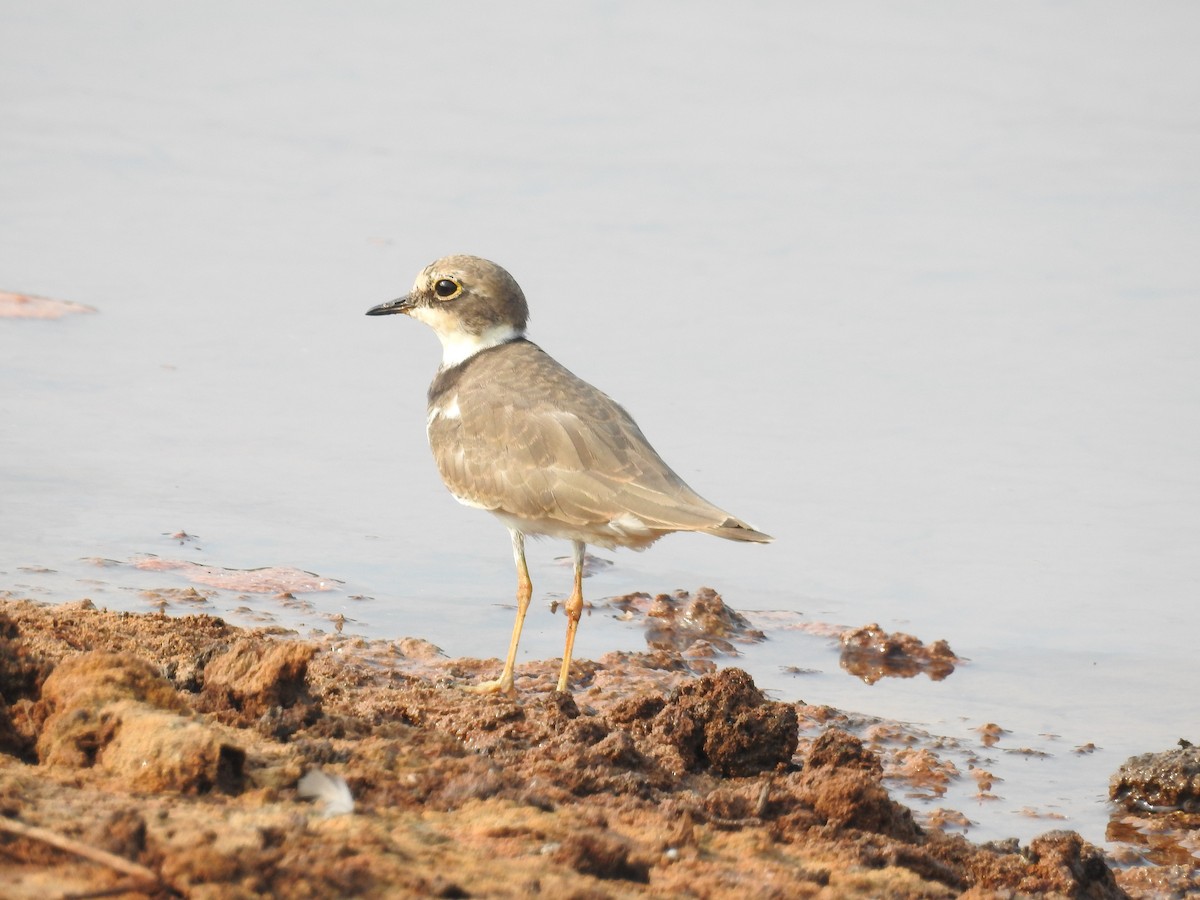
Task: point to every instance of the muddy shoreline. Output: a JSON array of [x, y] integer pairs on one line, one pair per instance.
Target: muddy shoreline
[[216, 761]]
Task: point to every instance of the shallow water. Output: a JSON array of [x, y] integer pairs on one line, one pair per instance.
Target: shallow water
[[917, 293]]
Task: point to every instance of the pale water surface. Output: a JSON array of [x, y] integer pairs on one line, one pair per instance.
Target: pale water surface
[[915, 288]]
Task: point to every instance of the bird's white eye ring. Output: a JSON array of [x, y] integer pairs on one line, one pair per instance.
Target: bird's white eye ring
[[447, 288]]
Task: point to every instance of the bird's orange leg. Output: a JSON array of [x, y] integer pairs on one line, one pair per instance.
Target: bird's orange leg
[[504, 684], [574, 610]]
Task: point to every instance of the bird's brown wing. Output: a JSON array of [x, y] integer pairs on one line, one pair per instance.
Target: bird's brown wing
[[532, 440]]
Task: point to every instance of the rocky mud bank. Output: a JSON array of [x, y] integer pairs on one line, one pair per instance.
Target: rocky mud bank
[[155, 756]]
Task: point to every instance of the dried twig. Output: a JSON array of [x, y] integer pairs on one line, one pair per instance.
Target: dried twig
[[119, 890], [95, 854]]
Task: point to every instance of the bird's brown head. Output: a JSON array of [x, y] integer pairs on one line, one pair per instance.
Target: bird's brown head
[[470, 303]]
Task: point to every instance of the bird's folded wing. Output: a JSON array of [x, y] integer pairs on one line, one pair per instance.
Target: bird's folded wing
[[566, 452]]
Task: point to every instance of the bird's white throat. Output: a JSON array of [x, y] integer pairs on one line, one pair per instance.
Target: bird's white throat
[[459, 345]]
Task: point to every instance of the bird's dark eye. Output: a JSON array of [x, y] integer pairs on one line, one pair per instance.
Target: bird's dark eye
[[445, 288]]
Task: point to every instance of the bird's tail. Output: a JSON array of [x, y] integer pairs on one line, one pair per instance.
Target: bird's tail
[[736, 530]]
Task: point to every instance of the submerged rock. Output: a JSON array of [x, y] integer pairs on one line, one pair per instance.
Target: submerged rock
[[1159, 782], [872, 653]]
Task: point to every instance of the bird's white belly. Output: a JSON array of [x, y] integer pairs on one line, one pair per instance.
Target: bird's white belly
[[624, 530]]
